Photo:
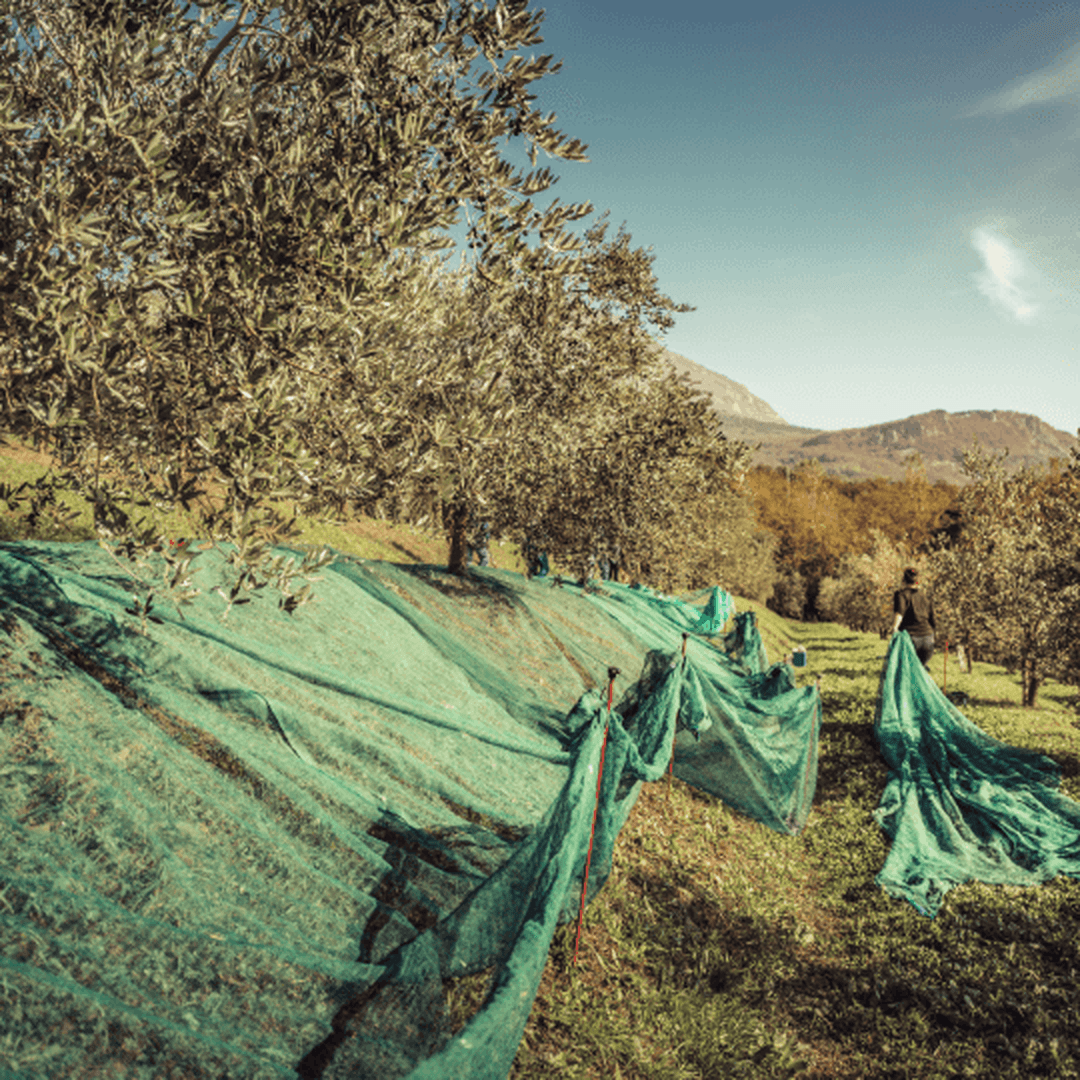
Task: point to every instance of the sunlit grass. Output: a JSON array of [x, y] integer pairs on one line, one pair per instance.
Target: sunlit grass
[[363, 537]]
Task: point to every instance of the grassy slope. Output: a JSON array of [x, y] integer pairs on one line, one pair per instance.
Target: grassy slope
[[719, 948], [363, 537]]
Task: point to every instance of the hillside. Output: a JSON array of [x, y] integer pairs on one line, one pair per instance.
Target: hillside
[[259, 815], [719, 947], [938, 437]]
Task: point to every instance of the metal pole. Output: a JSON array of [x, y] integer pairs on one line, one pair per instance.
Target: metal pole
[[671, 763]]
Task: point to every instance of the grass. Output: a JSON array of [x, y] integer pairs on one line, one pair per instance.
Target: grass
[[718, 948], [721, 949]]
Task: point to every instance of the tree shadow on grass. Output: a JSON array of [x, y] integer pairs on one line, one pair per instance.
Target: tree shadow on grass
[[476, 583], [846, 748], [697, 916], [854, 705], [1070, 763], [856, 1010], [415, 556], [844, 673], [830, 644]]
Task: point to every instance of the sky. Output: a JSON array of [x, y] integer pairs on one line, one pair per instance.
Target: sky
[[872, 207]]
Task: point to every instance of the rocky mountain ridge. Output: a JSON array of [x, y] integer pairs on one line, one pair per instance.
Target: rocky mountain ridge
[[730, 399], [938, 437]]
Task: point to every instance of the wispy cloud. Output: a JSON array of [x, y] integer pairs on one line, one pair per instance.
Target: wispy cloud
[[1004, 274], [1058, 81]]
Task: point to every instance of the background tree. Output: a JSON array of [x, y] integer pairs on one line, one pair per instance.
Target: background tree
[[644, 489], [789, 596], [723, 545], [1008, 581], [818, 519], [539, 407], [1064, 527], [803, 508], [860, 595], [595, 447]]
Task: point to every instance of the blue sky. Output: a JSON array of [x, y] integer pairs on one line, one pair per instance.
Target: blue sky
[[874, 208]]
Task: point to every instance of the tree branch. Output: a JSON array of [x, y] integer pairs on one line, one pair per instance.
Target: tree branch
[[217, 50]]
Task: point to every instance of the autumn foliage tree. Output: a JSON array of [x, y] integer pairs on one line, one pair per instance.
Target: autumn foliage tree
[[820, 520], [860, 593]]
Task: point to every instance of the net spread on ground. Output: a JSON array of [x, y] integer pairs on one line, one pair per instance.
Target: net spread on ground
[[959, 805], [271, 846]]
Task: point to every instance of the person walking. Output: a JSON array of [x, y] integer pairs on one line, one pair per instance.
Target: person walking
[[914, 612]]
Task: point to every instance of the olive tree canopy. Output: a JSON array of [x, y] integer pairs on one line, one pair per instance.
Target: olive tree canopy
[[1008, 584], [217, 225], [224, 282]]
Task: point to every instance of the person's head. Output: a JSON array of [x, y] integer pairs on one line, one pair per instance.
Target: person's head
[[911, 576]]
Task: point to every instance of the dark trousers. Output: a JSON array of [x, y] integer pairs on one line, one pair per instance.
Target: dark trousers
[[924, 647]]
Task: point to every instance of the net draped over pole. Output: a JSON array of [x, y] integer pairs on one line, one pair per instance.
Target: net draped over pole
[[274, 844]]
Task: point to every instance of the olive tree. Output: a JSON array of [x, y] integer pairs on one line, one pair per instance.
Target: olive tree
[[217, 226], [611, 454], [542, 408], [1008, 582]]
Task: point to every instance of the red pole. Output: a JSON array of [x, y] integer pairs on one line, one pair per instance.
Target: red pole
[[612, 672], [671, 763]]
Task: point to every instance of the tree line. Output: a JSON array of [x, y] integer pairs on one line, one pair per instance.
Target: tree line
[[824, 525], [1000, 554], [227, 282], [1007, 574]]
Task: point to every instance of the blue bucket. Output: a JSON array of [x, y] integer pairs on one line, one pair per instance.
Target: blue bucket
[[798, 657]]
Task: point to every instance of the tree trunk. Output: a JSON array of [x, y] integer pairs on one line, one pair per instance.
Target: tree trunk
[[1029, 684], [963, 658], [456, 518]]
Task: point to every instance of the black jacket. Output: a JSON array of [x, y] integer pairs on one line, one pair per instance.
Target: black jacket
[[916, 610]]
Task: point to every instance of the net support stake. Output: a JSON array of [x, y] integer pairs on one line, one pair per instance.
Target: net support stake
[[671, 763], [612, 672], [945, 669]]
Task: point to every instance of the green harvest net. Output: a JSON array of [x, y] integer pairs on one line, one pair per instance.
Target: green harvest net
[[720, 607], [273, 847], [744, 645], [959, 805]]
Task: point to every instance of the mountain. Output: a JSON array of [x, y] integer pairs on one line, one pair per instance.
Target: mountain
[[730, 399], [939, 438]]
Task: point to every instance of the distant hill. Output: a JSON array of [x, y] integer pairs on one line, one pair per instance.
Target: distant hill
[[939, 437]]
